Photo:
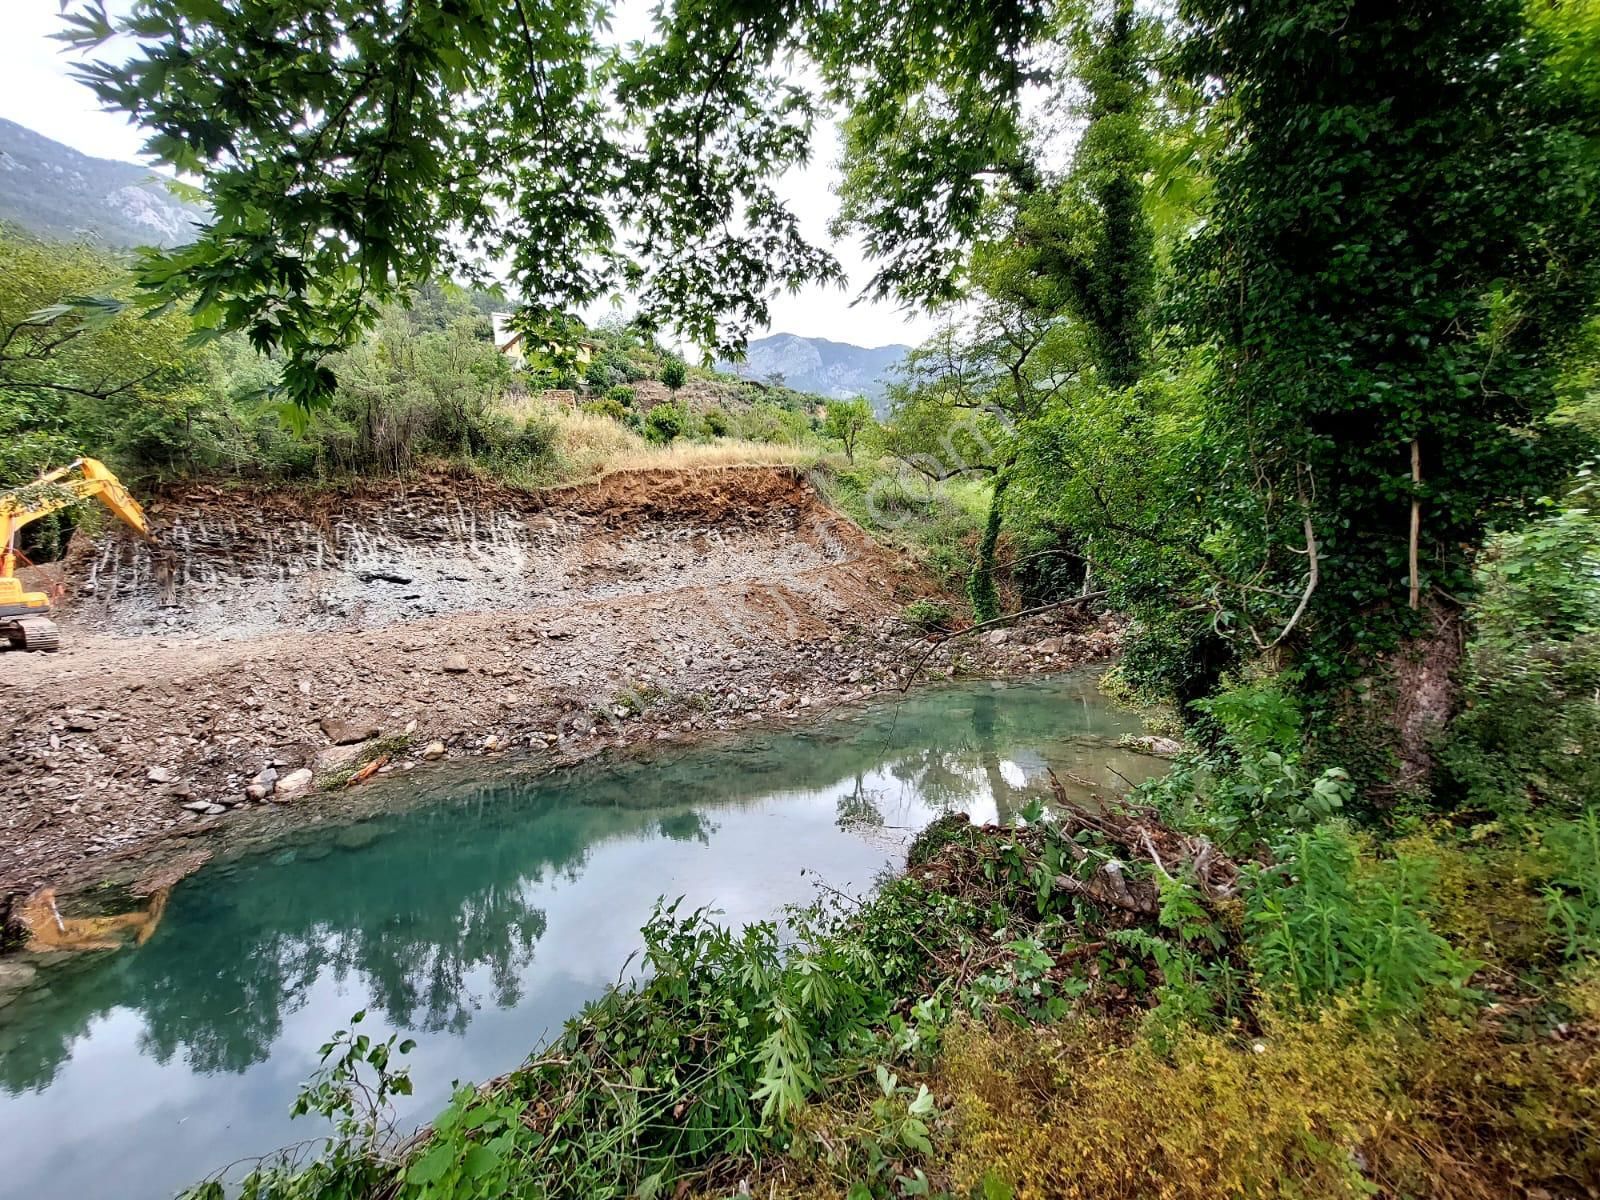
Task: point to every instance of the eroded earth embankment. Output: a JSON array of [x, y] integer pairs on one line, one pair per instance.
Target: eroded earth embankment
[[441, 610]]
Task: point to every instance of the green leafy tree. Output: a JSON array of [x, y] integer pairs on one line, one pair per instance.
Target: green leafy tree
[[1066, 276], [349, 151], [674, 374], [403, 395], [848, 420], [1086, 245], [79, 377], [663, 424]]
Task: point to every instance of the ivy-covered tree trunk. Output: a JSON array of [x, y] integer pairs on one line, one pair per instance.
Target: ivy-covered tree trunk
[[1119, 282], [1090, 240], [1400, 244], [981, 588]]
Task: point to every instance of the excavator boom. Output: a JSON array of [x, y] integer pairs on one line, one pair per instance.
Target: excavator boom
[[25, 616]]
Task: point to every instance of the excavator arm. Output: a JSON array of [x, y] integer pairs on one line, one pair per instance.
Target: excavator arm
[[25, 616]]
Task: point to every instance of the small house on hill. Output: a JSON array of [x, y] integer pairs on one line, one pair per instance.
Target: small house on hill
[[506, 339], [513, 344]]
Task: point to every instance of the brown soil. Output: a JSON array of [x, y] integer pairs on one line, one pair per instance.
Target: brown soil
[[648, 605]]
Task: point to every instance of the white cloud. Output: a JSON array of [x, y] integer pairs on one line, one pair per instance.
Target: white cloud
[[37, 90]]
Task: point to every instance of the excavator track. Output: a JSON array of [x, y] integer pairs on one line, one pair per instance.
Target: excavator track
[[36, 633]]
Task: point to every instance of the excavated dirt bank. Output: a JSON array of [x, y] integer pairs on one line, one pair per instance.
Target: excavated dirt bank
[[648, 605], [251, 561]]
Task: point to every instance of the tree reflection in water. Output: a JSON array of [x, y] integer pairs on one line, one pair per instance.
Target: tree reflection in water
[[436, 912]]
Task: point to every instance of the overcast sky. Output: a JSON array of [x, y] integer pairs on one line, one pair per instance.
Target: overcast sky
[[37, 91]]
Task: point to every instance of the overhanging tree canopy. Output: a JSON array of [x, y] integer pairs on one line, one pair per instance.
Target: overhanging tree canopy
[[349, 148]]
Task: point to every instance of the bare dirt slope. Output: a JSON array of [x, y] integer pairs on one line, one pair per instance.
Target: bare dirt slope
[[647, 605]]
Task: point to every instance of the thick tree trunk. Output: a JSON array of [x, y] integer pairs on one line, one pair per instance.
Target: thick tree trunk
[[1419, 687]]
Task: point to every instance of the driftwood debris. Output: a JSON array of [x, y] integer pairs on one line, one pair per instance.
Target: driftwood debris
[[1140, 835]]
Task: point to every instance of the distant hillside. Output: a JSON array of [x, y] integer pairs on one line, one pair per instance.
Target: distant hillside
[[832, 369], [53, 191]]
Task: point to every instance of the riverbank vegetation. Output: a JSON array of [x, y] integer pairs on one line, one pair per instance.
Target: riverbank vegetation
[[1276, 331], [427, 390]]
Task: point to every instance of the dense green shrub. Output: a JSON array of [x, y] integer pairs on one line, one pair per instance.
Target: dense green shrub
[[1572, 897], [927, 615], [427, 382], [1324, 922], [716, 422], [663, 423], [532, 443], [85, 378], [606, 407], [602, 374], [622, 395], [766, 421], [1530, 728]]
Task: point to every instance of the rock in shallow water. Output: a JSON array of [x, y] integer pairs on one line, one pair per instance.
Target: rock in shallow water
[[292, 784], [14, 976]]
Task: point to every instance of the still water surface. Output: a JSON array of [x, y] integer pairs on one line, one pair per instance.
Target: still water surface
[[478, 922]]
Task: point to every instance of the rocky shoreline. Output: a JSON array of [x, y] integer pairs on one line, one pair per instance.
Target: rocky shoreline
[[120, 743], [835, 674]]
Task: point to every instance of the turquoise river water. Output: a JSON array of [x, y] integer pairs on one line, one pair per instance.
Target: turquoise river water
[[478, 920]]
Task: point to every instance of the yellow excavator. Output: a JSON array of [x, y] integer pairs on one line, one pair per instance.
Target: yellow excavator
[[25, 616]]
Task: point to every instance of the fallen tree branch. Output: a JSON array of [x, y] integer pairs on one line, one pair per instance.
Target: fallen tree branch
[[1154, 856], [1101, 889], [1139, 833], [992, 623]]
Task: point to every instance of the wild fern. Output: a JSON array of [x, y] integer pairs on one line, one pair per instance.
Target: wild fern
[[1572, 898]]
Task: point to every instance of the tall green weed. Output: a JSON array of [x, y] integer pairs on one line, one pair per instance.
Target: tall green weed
[[1572, 896], [1325, 921]]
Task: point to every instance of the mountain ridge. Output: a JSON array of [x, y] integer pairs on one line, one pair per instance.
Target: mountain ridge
[[54, 191], [822, 366]]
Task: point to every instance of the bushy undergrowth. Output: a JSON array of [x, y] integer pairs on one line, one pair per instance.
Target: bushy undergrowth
[[1531, 722], [939, 524], [1572, 892], [991, 1024], [1324, 922], [927, 615], [1088, 1110]]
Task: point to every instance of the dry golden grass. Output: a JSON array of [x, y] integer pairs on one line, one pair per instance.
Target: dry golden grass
[[589, 445], [724, 452], [521, 405]]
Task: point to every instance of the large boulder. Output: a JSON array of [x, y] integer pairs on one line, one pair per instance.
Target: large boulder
[[295, 783], [342, 731]]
